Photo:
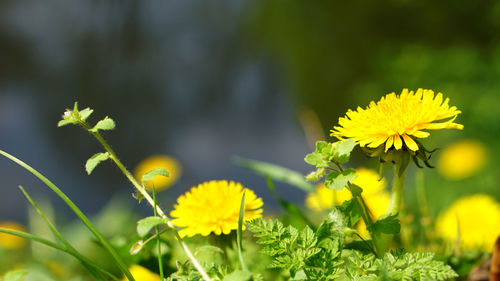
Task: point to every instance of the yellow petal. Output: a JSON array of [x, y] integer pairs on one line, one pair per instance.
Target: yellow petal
[[410, 143], [389, 143], [398, 143]]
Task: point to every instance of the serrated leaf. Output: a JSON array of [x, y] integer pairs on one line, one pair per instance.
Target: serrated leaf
[[342, 150], [153, 173], [316, 159], [14, 275], [388, 224], [146, 224], [95, 160], [238, 275], [104, 124], [316, 175], [352, 210], [338, 181], [85, 113], [276, 172]]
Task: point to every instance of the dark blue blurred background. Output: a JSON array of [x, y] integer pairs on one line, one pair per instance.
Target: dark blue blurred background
[[205, 80]]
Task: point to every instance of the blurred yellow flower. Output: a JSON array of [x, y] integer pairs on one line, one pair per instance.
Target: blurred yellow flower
[[397, 119], [475, 220], [9, 241], [376, 197], [214, 206], [462, 159], [159, 161], [142, 274]]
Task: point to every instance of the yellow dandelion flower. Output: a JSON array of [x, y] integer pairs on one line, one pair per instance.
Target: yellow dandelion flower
[[214, 207], [159, 161], [324, 198], [9, 241], [462, 159], [397, 119], [142, 274], [475, 220]]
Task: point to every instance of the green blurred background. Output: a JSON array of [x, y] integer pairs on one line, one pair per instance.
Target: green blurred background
[[205, 80]]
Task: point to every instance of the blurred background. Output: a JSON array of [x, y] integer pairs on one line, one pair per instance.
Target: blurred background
[[202, 81]]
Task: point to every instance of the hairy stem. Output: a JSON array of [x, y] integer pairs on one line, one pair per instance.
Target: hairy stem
[[148, 198]]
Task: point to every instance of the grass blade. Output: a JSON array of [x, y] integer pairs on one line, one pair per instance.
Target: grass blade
[[239, 233], [121, 265], [56, 246]]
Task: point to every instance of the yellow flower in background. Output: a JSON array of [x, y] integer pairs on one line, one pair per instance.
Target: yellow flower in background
[[475, 219], [397, 119], [324, 198], [214, 206], [159, 161], [142, 274], [462, 159], [376, 197], [9, 241]]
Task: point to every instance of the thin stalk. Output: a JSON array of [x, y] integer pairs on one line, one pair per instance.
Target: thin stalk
[[148, 198], [121, 265], [397, 191], [157, 231], [59, 236], [56, 246]]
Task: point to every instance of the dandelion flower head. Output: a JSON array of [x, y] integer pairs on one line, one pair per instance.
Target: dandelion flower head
[[159, 161], [142, 274], [214, 206], [8, 241], [397, 119], [462, 159], [475, 220]]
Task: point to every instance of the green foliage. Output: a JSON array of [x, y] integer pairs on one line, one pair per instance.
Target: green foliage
[[322, 255], [330, 156], [95, 160], [16, 275], [146, 224], [388, 224], [156, 172], [104, 124], [276, 172]]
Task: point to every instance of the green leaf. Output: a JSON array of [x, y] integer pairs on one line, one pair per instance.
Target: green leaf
[[388, 224], [104, 124], [316, 175], [239, 233], [342, 150], [337, 181], [65, 122], [316, 159], [156, 172], [14, 275], [95, 160], [238, 275], [146, 224], [352, 210], [85, 113], [276, 172]]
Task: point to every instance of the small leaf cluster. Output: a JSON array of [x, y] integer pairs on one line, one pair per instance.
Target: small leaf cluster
[[324, 254], [306, 254], [327, 158]]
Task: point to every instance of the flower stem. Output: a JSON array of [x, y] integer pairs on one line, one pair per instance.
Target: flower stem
[[397, 190], [148, 198]]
